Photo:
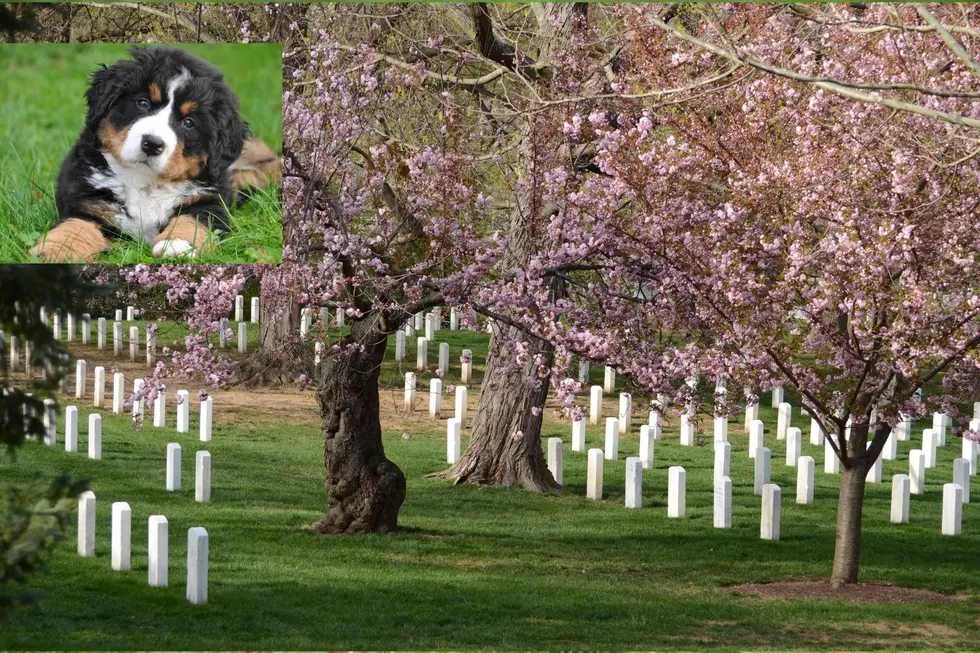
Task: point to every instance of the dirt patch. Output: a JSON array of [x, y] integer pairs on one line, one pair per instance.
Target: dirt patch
[[857, 593]]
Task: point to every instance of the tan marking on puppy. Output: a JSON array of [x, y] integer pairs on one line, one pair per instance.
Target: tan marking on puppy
[[188, 229], [155, 94], [98, 209], [180, 167], [193, 199], [187, 107], [72, 240], [257, 166], [112, 139]]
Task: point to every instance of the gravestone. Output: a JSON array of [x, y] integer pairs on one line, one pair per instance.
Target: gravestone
[[723, 452], [794, 445], [805, 480], [593, 489], [634, 483], [783, 420], [961, 476], [939, 428], [578, 435], [50, 419], [158, 571], [117, 338], [56, 328], [86, 328], [435, 397], [422, 354], [409, 390], [831, 463], [646, 446], [461, 406], [239, 308], [751, 414], [173, 467], [771, 509], [207, 416], [71, 429], [952, 509], [197, 565], [341, 318], [756, 437], [151, 347], [130, 313], [255, 310], [98, 397], [86, 524], [453, 320], [612, 438], [444, 357], [890, 450], [555, 460], [466, 366], [609, 383], [676, 492], [777, 396], [721, 429], [874, 473], [816, 433], [202, 477], [118, 392], [95, 436], [430, 330], [901, 489], [625, 412], [595, 404], [687, 431], [122, 517], [970, 448], [399, 346], [930, 440], [917, 471], [101, 333], [762, 468], [453, 440], [183, 411], [242, 337], [134, 343], [70, 326], [584, 370], [723, 503]]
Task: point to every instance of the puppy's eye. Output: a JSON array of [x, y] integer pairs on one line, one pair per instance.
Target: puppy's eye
[[188, 123], [143, 103]]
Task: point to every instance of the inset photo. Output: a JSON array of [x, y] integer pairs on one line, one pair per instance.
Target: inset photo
[[128, 154]]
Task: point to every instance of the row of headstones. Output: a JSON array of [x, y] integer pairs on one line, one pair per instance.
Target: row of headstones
[[158, 571], [159, 404], [240, 309], [101, 340], [422, 356]]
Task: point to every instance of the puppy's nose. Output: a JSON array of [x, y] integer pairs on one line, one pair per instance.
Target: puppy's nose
[[151, 145]]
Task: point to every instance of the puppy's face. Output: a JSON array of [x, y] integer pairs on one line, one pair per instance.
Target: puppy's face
[[166, 113]]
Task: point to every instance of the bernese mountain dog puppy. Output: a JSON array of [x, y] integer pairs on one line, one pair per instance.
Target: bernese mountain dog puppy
[[162, 154]]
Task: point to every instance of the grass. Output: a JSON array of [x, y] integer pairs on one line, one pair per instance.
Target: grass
[[41, 90], [480, 568]]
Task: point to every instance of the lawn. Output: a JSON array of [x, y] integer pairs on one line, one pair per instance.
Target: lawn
[[478, 568], [41, 91]]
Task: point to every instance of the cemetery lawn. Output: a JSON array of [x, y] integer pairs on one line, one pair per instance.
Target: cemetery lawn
[[477, 568], [42, 90]]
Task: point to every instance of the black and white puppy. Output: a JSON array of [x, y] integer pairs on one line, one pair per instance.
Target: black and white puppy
[[156, 161]]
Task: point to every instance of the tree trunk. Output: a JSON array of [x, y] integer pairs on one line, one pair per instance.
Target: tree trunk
[[364, 489], [505, 448], [854, 473], [280, 358]]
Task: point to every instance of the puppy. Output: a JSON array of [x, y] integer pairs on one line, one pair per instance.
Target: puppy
[[158, 160]]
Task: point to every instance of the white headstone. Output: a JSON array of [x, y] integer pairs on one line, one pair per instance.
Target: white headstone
[[831, 463], [134, 343], [647, 445], [453, 444], [721, 429], [971, 447], [593, 488], [595, 404], [239, 308], [676, 492], [461, 405], [584, 370], [255, 310], [783, 420], [207, 415], [98, 398], [612, 438], [158, 572], [656, 419], [723, 503], [422, 354], [183, 411], [904, 429], [305, 322], [805, 479], [117, 338], [816, 433], [151, 347], [634, 483], [794, 445], [223, 331], [102, 332], [243, 337], [687, 431], [723, 451], [466, 366], [952, 509], [625, 412], [435, 397], [202, 477], [762, 464], [771, 509], [756, 437], [444, 357], [578, 435], [930, 440], [118, 392], [555, 463], [917, 471], [160, 408], [890, 451], [409, 390], [86, 328], [939, 427], [71, 429], [95, 436], [874, 472], [86, 524], [341, 318], [901, 487], [80, 373], [197, 565], [453, 320], [56, 327], [50, 419], [777, 396], [399, 346], [751, 414], [122, 526], [961, 476], [609, 384], [14, 352], [130, 313], [173, 467]]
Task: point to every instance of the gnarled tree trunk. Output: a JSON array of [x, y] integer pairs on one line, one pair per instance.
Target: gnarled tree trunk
[[364, 488], [505, 448], [854, 473]]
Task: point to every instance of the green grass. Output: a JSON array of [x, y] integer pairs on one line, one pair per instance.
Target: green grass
[[481, 568], [41, 91]]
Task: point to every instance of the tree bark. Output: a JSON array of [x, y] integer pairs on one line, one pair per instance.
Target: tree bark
[[364, 489], [280, 358], [505, 448], [850, 504]]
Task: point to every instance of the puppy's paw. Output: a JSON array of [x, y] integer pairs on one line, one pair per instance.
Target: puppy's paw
[[175, 247]]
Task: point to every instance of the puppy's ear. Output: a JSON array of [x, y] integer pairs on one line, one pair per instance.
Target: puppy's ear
[[229, 138], [107, 85]]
